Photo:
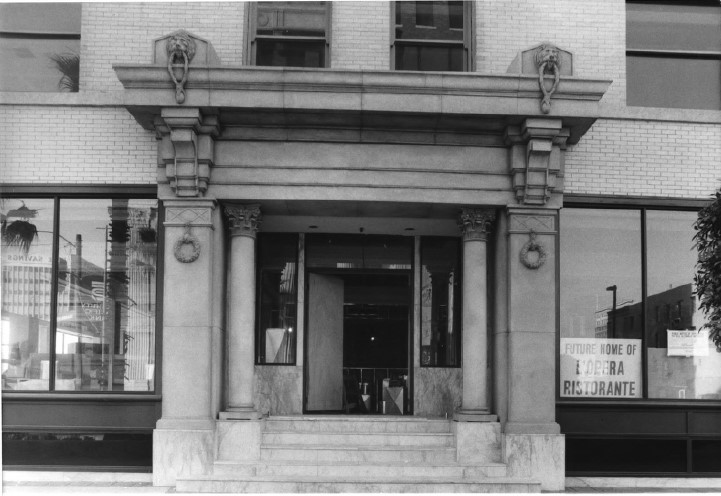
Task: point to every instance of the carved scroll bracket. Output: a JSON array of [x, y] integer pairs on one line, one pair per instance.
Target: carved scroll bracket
[[186, 148], [536, 159]]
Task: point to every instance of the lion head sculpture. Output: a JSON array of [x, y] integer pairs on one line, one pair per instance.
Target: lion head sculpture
[[547, 59], [179, 46]]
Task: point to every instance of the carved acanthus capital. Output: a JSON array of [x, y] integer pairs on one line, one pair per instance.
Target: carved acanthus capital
[[244, 220], [475, 223]]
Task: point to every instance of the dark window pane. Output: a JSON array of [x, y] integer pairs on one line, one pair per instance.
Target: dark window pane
[[601, 306], [673, 27], [39, 64], [625, 455], [429, 21], [440, 302], [671, 305], [105, 339], [673, 82], [293, 53], [706, 455], [291, 18], [27, 248], [424, 14], [429, 58], [278, 298]]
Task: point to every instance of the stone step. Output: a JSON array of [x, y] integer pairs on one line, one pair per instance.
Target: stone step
[[359, 424], [355, 439], [356, 484], [357, 454], [338, 469]]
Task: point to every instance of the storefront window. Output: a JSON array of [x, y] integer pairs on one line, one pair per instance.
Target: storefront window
[[682, 361], [616, 323], [27, 255], [278, 268], [100, 336], [601, 325], [440, 302]]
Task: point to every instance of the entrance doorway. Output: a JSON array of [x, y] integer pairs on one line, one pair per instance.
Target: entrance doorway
[[359, 342]]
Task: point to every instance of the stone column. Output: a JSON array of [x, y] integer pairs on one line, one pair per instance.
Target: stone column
[[244, 223], [475, 225]]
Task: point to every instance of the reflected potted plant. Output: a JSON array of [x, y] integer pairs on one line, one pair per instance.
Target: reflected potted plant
[[69, 66], [708, 267], [20, 233]]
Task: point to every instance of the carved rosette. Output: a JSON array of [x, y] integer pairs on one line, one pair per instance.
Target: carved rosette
[[475, 223], [244, 220]]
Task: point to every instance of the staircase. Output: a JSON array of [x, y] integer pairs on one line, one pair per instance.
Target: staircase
[[360, 454]]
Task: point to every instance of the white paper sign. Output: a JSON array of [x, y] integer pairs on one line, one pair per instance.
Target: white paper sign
[[600, 368], [687, 343]]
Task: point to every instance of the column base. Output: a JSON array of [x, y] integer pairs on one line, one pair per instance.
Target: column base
[[474, 416], [240, 413]]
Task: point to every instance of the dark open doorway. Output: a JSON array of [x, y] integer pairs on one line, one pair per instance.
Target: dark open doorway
[[359, 350]]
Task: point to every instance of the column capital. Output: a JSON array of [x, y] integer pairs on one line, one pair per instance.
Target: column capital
[[475, 223], [244, 220]]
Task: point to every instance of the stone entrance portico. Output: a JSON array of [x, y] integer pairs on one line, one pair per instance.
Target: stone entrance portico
[[282, 149]]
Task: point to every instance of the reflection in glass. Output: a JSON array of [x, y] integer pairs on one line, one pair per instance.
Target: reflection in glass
[[278, 262], [352, 251], [27, 247], [440, 305], [671, 305], [105, 338]]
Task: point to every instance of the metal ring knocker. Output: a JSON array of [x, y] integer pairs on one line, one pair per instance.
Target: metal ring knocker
[[179, 85]]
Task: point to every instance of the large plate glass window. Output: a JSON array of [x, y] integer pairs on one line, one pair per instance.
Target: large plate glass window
[[431, 36], [278, 282], [84, 318], [40, 46], [673, 54], [290, 34], [630, 322]]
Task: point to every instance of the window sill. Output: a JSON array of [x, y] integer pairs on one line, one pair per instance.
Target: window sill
[[40, 396]]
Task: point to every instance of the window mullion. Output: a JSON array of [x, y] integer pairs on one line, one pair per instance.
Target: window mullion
[[54, 294], [644, 296]]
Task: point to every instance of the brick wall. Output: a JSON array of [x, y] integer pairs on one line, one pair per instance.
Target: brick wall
[[44, 144], [593, 30], [646, 158], [115, 33], [360, 35]]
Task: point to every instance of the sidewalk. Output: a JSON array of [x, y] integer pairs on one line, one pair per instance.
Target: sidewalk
[[37, 482]]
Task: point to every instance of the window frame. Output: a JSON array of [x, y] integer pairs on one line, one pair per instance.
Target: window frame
[[91, 192], [467, 43], [669, 53], [250, 52], [642, 206]]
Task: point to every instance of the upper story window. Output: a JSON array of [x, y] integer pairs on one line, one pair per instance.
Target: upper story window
[[290, 34], [40, 46], [431, 36], [673, 54], [78, 294]]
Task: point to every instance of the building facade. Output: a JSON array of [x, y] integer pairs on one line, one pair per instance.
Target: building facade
[[450, 237]]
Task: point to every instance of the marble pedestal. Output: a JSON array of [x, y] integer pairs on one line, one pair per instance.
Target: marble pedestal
[[238, 440], [181, 452], [541, 457], [477, 442]]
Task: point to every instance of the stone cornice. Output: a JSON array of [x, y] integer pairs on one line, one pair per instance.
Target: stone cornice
[[290, 89]]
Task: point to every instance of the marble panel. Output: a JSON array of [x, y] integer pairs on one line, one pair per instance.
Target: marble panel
[[478, 442], [238, 440], [538, 456], [279, 389], [437, 391], [180, 453]]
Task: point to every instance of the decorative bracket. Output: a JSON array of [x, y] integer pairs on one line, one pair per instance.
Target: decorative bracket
[[186, 148], [536, 159]]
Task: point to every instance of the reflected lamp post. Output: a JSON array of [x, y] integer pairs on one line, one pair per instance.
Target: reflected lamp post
[[612, 320]]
